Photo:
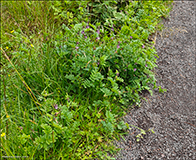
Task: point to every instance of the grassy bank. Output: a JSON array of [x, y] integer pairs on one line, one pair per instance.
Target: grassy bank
[[69, 72]]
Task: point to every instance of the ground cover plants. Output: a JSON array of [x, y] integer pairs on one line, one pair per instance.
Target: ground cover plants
[[68, 81]]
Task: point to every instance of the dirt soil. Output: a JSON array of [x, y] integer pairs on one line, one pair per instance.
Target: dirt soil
[[172, 114]]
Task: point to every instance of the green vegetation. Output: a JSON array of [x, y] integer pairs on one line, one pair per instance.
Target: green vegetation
[[70, 70]]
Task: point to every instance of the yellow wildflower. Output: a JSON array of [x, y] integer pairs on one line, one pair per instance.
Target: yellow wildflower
[[7, 47], [7, 116], [12, 31], [32, 45], [2, 134]]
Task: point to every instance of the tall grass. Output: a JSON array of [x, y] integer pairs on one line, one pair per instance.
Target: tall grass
[[33, 19]]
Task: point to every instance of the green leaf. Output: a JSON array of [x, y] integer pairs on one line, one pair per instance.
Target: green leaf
[[111, 80], [106, 91], [141, 61], [96, 76], [87, 83], [110, 117], [103, 60], [152, 65], [66, 114], [47, 128], [122, 125], [94, 27], [118, 15], [108, 127], [119, 79], [130, 67], [70, 77], [145, 34], [78, 27]]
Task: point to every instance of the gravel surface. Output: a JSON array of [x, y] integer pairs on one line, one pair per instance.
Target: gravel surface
[[172, 114]]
